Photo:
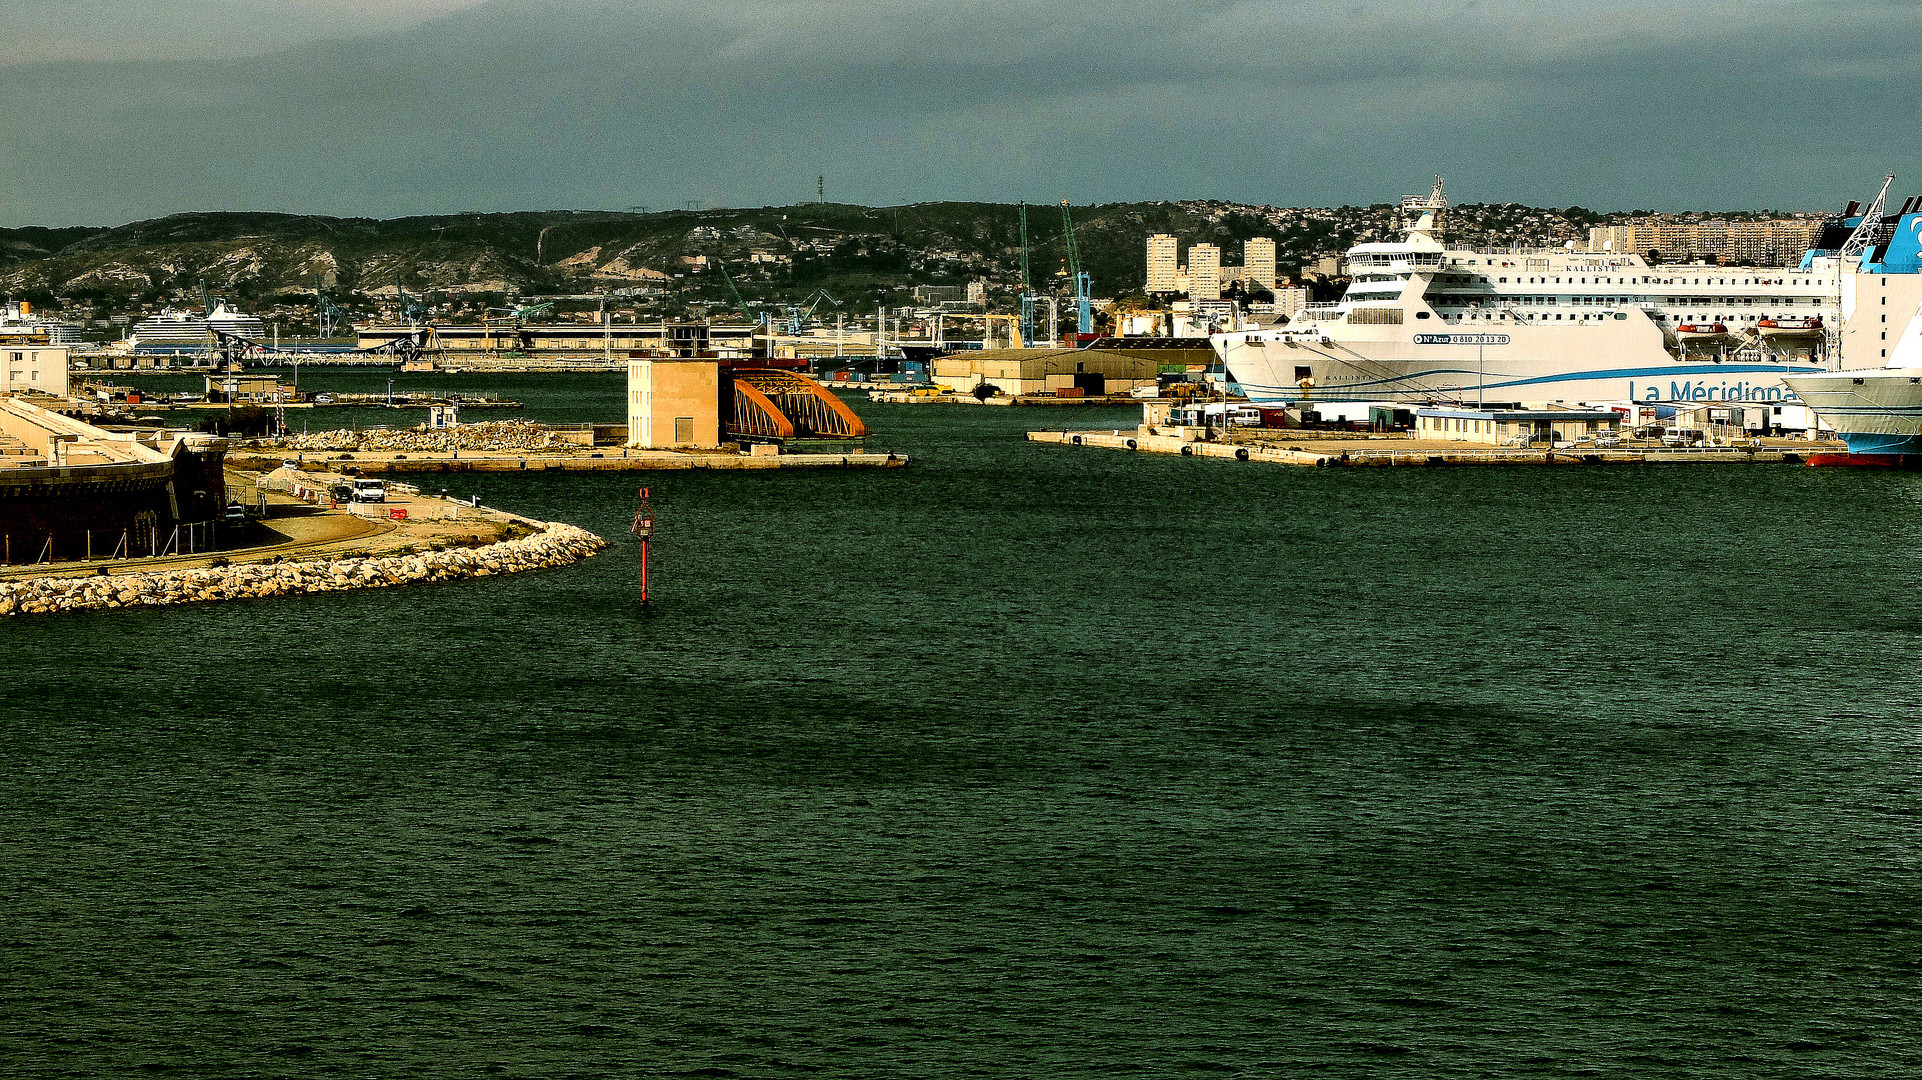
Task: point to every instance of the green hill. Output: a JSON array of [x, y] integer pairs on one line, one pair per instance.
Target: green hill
[[860, 255]]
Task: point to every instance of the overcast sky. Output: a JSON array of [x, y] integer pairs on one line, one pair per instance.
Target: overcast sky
[[116, 110]]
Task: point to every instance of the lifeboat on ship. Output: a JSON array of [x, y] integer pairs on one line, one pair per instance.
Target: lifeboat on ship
[[1792, 328], [1702, 333]]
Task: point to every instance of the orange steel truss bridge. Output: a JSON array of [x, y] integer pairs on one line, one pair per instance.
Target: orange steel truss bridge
[[772, 404]]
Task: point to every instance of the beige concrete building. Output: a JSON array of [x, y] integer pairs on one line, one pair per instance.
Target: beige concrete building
[[1164, 262], [1258, 262], [1290, 299], [673, 403], [1043, 371], [41, 368], [1778, 242], [238, 386], [1204, 272]]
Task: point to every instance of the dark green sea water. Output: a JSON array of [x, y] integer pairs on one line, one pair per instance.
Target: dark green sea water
[[1024, 761]]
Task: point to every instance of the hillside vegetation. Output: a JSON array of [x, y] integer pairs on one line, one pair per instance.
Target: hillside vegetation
[[858, 254]]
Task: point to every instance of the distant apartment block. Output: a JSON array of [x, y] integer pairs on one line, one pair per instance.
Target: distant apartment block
[[1163, 263], [1204, 272], [1290, 299], [1258, 262], [1779, 242], [940, 294]]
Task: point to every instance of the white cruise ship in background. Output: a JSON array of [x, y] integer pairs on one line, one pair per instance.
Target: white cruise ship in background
[[18, 318], [177, 332], [1425, 322]]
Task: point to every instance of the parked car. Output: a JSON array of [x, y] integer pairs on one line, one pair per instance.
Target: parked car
[[1608, 440], [369, 490]]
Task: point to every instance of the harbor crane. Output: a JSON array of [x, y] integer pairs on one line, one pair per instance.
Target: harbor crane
[[518, 315], [411, 309], [738, 302], [324, 308], [797, 318], [1027, 283], [1084, 306]]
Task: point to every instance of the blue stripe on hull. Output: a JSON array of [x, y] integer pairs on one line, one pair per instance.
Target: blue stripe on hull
[[1870, 443]]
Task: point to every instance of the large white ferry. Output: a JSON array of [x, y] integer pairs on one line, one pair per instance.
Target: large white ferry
[[1421, 321]]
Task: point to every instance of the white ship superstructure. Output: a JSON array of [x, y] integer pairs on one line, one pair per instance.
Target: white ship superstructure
[[19, 319], [184, 332], [1421, 321]]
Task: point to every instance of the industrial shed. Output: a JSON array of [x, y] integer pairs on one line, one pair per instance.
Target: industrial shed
[[1043, 371]]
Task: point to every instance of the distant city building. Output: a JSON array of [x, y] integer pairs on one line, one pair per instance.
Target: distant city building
[[1290, 299], [978, 291], [1163, 263], [1204, 272], [1258, 262], [941, 294], [1779, 242]]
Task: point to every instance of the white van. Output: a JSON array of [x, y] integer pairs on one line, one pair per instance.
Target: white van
[[368, 489]]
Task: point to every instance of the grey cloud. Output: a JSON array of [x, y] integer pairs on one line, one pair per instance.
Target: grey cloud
[[542, 103]]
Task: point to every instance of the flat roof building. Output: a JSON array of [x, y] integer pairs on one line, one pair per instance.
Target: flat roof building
[[1163, 263], [33, 368], [1498, 426], [1042, 371], [1258, 262], [1204, 272]]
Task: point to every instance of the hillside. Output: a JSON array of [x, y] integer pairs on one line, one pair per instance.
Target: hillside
[[860, 255]]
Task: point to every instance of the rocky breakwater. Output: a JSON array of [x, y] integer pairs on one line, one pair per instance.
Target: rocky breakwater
[[508, 435], [554, 544]]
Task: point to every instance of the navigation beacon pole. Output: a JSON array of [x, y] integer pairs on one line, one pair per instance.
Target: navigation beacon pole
[[644, 530]]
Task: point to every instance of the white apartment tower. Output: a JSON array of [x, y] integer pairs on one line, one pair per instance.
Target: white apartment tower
[[1204, 272], [1162, 263], [1258, 262]]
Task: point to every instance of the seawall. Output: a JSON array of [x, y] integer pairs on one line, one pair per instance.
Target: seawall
[[556, 544]]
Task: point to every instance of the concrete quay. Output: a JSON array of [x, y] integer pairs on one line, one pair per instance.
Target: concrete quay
[[608, 460], [1392, 452], [300, 548]]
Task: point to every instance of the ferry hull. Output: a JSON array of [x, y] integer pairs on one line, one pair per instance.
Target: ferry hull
[[1871, 461], [1876, 411], [1270, 372]]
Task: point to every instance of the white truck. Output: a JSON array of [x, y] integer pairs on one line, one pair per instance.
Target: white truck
[[369, 490]]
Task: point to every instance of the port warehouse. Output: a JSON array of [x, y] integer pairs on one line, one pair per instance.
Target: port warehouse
[[728, 340], [1020, 372], [70, 490]]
